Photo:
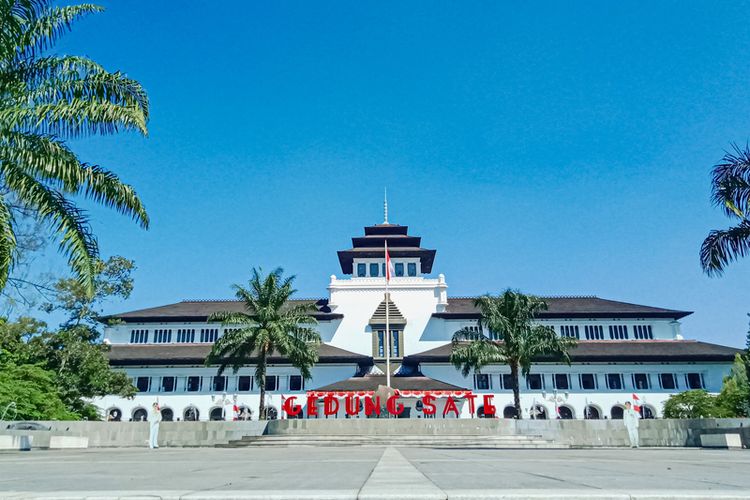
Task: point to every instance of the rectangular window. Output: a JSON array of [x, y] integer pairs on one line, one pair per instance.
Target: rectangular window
[[209, 334], [694, 381], [535, 382], [614, 381], [588, 381], [193, 384], [361, 270], [594, 332], [162, 336], [641, 381], [562, 381], [374, 270], [481, 381], [139, 337], [186, 335], [272, 382], [167, 384], [618, 332], [219, 384], [381, 343], [643, 332], [296, 383], [395, 347], [411, 269], [399, 268], [244, 383], [507, 380], [667, 381], [142, 383], [570, 331]]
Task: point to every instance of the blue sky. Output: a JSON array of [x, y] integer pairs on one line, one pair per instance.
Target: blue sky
[[557, 149]]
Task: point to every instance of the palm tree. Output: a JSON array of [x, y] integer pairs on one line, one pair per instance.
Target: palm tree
[[269, 325], [730, 191], [513, 339], [44, 100]]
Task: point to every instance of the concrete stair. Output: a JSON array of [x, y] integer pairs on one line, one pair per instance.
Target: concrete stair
[[417, 441]]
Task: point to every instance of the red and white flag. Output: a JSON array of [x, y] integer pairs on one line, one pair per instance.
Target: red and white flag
[[389, 269], [636, 403]]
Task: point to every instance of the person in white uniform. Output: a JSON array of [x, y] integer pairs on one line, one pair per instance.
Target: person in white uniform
[[631, 417], [154, 417]]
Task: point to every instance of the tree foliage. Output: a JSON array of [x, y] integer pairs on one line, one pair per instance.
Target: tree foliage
[[514, 338], [112, 280], [44, 100], [69, 362], [268, 325], [730, 191], [694, 404]]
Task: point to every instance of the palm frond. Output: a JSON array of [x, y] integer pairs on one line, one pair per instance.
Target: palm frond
[[229, 318], [731, 182], [68, 222], [723, 246], [44, 28], [7, 242]]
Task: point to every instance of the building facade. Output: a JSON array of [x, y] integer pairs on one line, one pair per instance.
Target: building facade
[[623, 350]]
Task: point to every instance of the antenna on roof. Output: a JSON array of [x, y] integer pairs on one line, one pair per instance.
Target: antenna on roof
[[385, 205]]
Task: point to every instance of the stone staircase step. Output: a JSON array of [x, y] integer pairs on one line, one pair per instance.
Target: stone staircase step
[[448, 441]]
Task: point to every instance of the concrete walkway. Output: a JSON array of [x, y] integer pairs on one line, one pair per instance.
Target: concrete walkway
[[375, 473]]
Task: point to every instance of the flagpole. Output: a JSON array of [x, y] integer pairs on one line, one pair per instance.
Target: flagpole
[[387, 322]]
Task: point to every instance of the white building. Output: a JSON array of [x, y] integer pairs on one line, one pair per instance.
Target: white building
[[623, 349]]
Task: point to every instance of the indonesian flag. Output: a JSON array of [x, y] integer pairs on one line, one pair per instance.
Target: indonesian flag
[[389, 269], [235, 412], [636, 401]]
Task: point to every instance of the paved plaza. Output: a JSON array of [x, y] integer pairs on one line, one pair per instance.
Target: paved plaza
[[362, 472]]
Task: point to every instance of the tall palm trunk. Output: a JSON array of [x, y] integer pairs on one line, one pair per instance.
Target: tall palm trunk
[[261, 376], [516, 390]]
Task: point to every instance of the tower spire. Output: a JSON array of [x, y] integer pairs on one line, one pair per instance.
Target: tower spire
[[385, 205]]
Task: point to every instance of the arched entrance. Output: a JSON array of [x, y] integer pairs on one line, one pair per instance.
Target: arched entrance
[[140, 415], [566, 412], [510, 412], [216, 413], [648, 412], [616, 412], [167, 414], [191, 414], [538, 412], [114, 415], [591, 412]]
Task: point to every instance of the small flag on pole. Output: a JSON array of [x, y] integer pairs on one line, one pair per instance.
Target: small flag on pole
[[636, 403], [389, 269]]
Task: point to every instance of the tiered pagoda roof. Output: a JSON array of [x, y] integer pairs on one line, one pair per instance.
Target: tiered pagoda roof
[[372, 245]]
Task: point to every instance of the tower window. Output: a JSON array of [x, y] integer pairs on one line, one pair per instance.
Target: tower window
[[411, 269], [143, 384], [395, 343], [361, 270], [374, 268], [399, 267]]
